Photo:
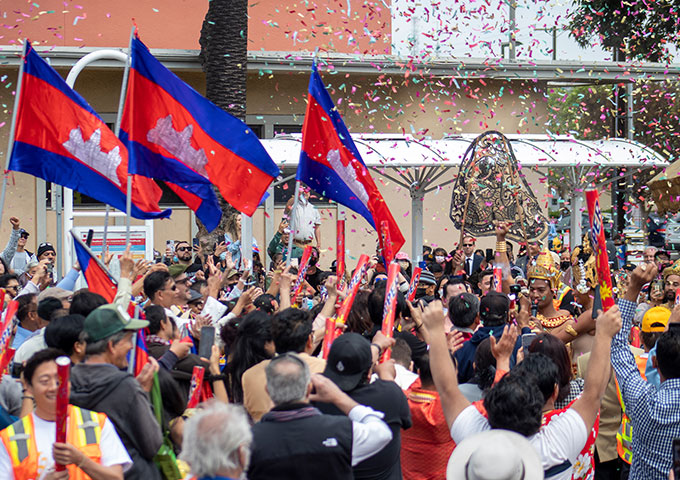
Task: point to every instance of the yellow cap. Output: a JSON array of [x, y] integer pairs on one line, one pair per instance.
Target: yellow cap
[[655, 319]]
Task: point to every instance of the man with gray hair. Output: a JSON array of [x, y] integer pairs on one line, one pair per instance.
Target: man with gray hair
[[217, 442], [295, 440], [100, 384]]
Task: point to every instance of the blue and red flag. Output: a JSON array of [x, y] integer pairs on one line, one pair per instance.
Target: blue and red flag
[[175, 135], [141, 353], [98, 278], [331, 164], [61, 139]]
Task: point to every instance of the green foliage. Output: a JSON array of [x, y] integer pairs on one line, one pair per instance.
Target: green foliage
[[633, 29]]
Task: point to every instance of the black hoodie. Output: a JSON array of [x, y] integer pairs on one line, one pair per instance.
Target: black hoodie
[[102, 387]]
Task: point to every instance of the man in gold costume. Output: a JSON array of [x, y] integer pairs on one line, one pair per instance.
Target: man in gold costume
[[544, 281]]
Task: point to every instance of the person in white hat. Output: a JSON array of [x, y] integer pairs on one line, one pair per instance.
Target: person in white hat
[[494, 455]]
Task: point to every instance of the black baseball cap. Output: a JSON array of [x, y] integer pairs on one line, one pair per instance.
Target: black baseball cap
[[348, 361]]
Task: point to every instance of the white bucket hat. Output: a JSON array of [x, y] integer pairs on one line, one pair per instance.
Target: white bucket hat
[[494, 455]]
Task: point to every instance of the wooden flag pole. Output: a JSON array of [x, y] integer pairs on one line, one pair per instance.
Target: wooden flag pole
[[12, 127]]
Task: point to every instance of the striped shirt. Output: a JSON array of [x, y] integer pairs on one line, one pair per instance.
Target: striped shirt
[[654, 414]]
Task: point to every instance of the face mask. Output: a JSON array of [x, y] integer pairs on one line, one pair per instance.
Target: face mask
[[439, 259], [421, 292], [564, 265]]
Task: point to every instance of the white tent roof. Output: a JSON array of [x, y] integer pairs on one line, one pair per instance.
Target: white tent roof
[[531, 150]]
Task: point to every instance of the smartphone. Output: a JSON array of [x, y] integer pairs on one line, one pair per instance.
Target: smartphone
[[527, 338], [170, 244], [676, 458], [489, 255], [597, 302], [90, 234], [194, 242], [207, 340]]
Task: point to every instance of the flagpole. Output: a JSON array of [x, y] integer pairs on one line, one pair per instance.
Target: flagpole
[[12, 127], [121, 104], [291, 224]]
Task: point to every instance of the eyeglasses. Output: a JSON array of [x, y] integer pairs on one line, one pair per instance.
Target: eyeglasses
[[12, 287], [468, 244], [183, 249]]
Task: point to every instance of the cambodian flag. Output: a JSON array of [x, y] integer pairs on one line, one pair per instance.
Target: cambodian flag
[[141, 352], [60, 139], [99, 280], [177, 136], [331, 165]]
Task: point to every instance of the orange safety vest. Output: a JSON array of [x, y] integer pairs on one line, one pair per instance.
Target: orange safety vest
[[624, 436], [83, 430]]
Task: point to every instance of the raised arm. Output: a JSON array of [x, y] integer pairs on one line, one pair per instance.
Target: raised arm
[[443, 371], [630, 381], [11, 248], [597, 378]]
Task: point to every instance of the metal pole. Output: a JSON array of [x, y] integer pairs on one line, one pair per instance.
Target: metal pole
[[268, 223], [246, 240], [291, 224], [68, 193], [60, 238], [417, 197], [630, 106], [575, 221], [10, 142], [121, 103], [512, 40]]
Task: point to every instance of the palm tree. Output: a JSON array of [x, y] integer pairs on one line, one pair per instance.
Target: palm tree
[[224, 57]]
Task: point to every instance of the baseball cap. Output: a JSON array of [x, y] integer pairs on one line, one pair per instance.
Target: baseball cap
[[108, 320], [23, 233], [348, 361], [655, 319], [402, 256], [177, 269]]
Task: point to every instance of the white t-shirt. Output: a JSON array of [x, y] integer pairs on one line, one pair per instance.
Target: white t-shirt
[[562, 439], [305, 218], [113, 451]]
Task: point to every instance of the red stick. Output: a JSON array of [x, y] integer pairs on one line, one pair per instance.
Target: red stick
[[340, 252], [63, 372], [498, 278], [390, 306], [411, 294], [195, 390], [600, 247]]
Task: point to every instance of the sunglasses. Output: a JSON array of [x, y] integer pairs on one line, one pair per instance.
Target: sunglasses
[[468, 244], [183, 249]]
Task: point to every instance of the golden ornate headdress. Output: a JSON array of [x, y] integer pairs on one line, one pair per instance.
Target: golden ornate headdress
[[672, 270], [544, 268], [584, 267]]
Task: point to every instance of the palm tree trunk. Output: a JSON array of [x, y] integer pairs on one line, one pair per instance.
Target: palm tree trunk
[[224, 56]]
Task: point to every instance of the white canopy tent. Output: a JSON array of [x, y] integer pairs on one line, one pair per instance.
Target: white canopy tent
[[419, 165]]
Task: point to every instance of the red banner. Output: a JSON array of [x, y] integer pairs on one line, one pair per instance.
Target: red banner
[[196, 384], [352, 289], [302, 270], [63, 372], [390, 306], [387, 249], [411, 294], [597, 239]]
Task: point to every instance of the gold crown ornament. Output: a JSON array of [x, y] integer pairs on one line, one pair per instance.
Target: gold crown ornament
[[672, 270], [544, 268], [584, 267]]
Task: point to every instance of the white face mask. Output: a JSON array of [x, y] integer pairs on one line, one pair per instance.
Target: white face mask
[[439, 258]]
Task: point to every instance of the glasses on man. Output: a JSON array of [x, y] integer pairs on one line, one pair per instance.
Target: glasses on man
[[183, 249], [468, 244], [12, 287]]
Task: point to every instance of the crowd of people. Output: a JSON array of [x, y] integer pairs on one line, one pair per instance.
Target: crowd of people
[[520, 375]]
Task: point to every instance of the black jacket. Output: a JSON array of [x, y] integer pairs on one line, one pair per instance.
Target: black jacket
[[102, 387]]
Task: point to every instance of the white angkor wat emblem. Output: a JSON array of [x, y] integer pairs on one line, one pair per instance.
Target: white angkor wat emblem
[[90, 153], [178, 144], [348, 175]]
